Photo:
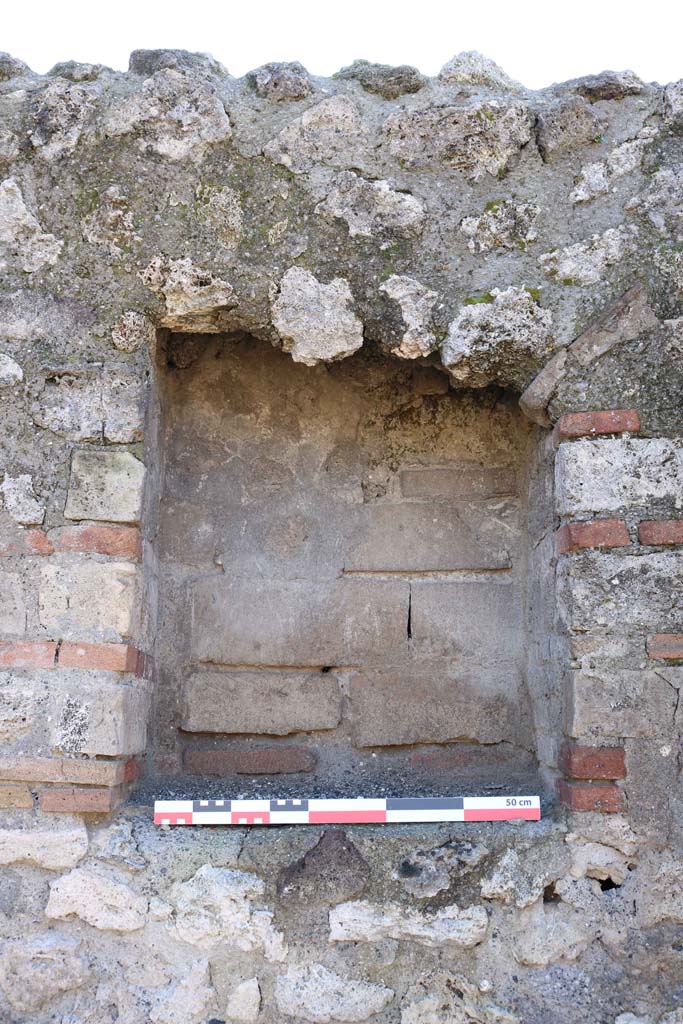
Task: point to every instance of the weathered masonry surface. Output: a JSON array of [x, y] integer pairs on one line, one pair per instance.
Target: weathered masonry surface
[[341, 452]]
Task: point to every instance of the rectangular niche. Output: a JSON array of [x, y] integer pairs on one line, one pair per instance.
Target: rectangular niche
[[341, 557]]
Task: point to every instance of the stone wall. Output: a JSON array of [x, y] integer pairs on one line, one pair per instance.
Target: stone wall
[[519, 241]]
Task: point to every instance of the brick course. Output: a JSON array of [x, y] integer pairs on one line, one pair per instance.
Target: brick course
[[668, 646], [588, 424], [587, 796], [598, 533], [79, 800], [118, 541], [110, 657], [27, 653], [260, 761], [579, 762], [83, 771], [661, 531]]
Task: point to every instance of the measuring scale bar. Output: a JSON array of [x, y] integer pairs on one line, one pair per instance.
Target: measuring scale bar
[[346, 812]]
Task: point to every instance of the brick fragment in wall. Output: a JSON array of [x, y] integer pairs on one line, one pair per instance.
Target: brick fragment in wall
[[92, 712], [423, 703], [117, 541], [83, 599], [276, 760], [598, 533], [615, 473], [110, 657], [26, 542], [623, 703], [308, 624], [580, 762], [588, 424], [667, 646], [586, 796], [78, 770], [79, 799], [601, 591], [272, 702], [661, 531], [105, 485]]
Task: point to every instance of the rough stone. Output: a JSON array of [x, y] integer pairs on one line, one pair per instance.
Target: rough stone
[[315, 321], [245, 1001], [21, 236], [322, 134], [362, 921], [101, 898], [132, 331], [608, 85], [330, 872], [187, 1000], [673, 103], [417, 305], [520, 876], [221, 210], [567, 123], [10, 371], [36, 970], [440, 998], [20, 500], [216, 908], [106, 486], [194, 298], [317, 994], [627, 318], [585, 263], [597, 178], [383, 79], [548, 932], [473, 68], [503, 339], [55, 845], [502, 225], [281, 82], [372, 208], [475, 138], [428, 872]]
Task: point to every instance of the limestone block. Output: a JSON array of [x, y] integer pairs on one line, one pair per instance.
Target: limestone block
[[99, 897], [194, 297], [81, 599], [602, 592], [12, 605], [53, 843], [441, 998], [94, 713], [35, 970], [81, 407], [566, 123], [461, 480], [22, 698], [316, 321], [584, 263], [624, 703], [133, 331], [314, 993], [520, 875], [105, 485], [362, 921], [10, 371], [216, 907], [333, 623], [412, 537], [470, 618], [244, 1002], [547, 932], [276, 703], [187, 1000], [611, 474], [326, 133], [434, 703]]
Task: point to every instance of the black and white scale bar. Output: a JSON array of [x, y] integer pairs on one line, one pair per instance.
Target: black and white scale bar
[[346, 812]]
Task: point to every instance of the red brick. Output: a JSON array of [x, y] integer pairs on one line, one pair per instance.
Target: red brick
[[661, 531], [461, 755], [108, 657], [85, 771], [259, 761], [27, 654], [74, 799], [668, 646], [586, 796], [579, 762], [132, 770], [28, 542], [598, 533], [120, 541], [590, 424]]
